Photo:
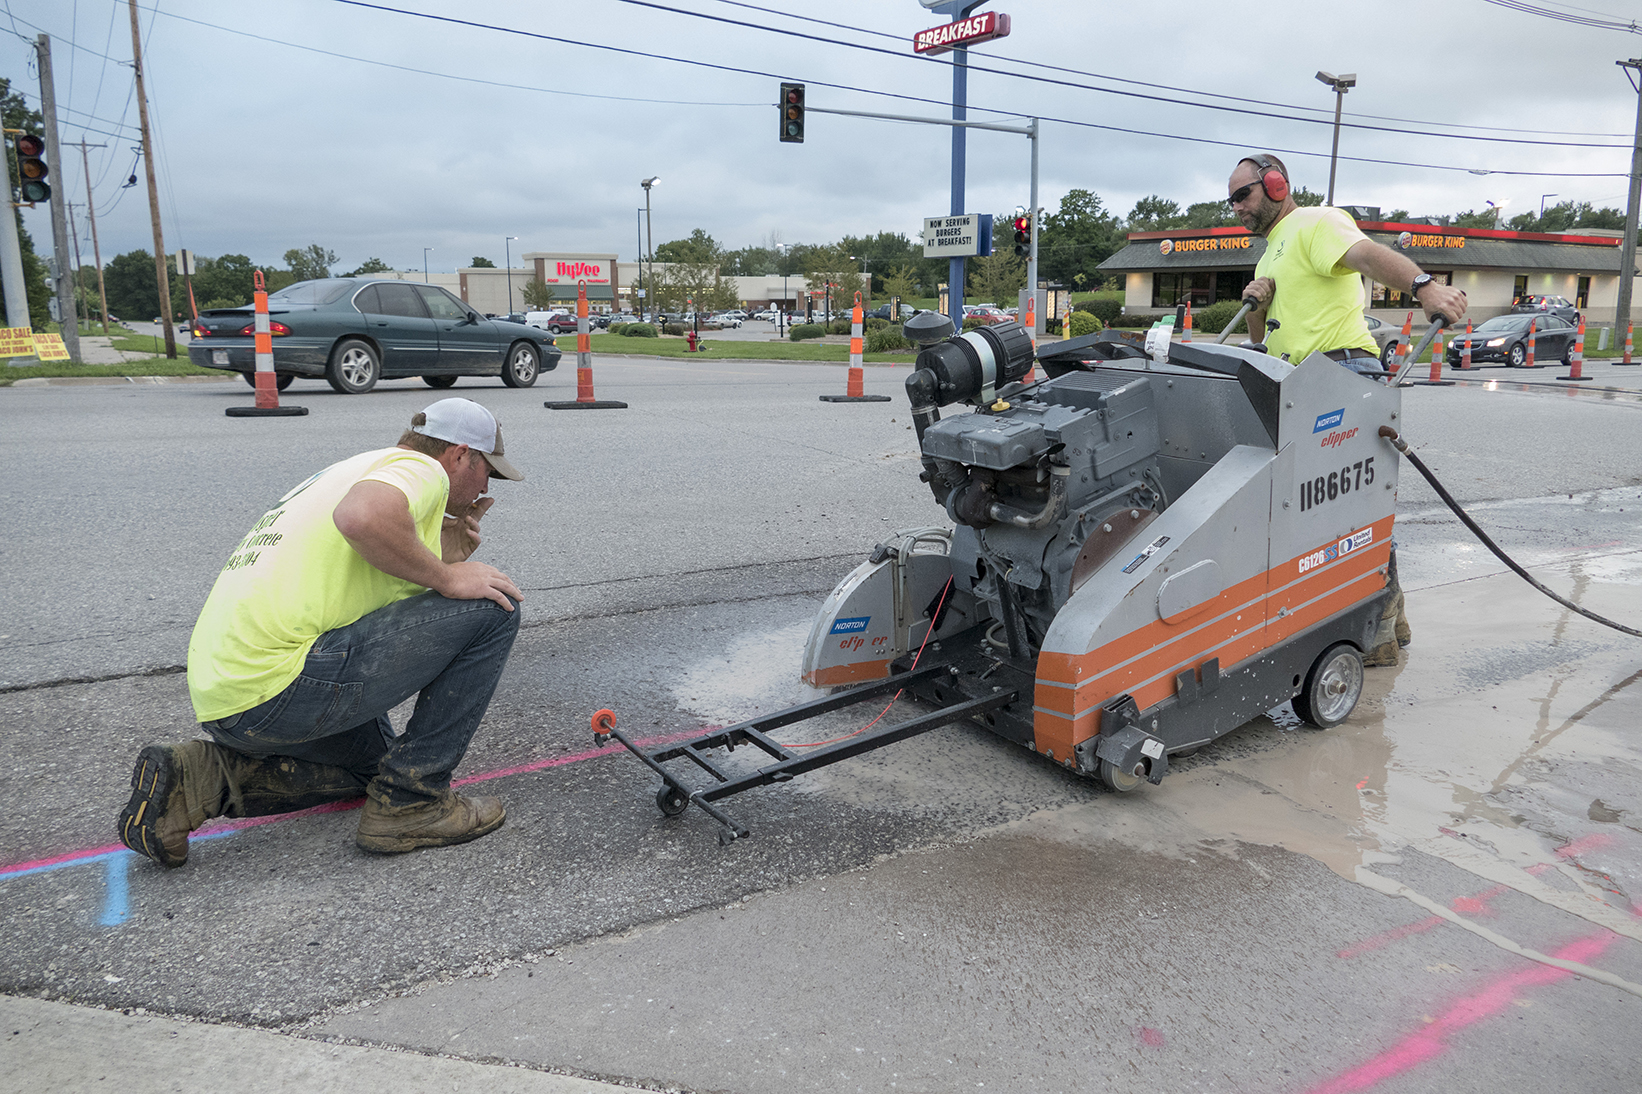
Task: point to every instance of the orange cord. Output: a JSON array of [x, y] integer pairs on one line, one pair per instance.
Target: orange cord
[[817, 744]]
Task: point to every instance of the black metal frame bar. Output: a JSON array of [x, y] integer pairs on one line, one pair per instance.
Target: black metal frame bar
[[789, 763]]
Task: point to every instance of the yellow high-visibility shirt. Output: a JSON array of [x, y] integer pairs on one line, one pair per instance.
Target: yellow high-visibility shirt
[[294, 577], [1318, 303]]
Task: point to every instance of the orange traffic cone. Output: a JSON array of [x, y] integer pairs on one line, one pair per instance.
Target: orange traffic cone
[[267, 384]]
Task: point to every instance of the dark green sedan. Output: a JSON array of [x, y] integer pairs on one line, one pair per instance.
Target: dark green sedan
[[356, 331]]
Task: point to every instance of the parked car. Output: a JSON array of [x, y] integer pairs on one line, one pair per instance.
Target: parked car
[[1505, 338], [552, 322], [1559, 306], [986, 313], [882, 312], [1386, 336], [728, 321], [353, 332]]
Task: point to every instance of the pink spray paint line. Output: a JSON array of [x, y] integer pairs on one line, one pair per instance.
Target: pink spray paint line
[[1432, 1041], [226, 827]]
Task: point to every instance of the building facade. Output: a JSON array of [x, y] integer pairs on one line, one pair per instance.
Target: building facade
[[1201, 266]]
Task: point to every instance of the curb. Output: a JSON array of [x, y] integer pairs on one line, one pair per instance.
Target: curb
[[76, 381]]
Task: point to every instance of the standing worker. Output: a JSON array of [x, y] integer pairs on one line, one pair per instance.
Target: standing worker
[[352, 594], [1307, 283]]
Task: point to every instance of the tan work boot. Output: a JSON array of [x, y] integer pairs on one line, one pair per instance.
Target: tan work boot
[[1383, 654], [174, 790], [448, 819]]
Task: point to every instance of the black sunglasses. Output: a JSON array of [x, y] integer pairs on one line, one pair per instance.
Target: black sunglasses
[[1242, 192]]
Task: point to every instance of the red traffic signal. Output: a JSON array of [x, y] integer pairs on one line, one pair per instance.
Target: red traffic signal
[[792, 113], [31, 166], [1023, 236]]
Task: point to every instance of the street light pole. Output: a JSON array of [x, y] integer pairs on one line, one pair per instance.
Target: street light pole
[[1340, 84], [507, 251], [425, 251], [649, 231], [1542, 198], [638, 301]]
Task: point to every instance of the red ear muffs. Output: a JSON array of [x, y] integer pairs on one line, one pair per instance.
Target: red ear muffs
[[1271, 179]]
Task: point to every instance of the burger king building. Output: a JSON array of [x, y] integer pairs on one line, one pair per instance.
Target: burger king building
[[1202, 266]]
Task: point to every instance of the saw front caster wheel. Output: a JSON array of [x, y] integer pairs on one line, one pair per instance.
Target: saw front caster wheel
[[1118, 780], [671, 800], [1332, 687]]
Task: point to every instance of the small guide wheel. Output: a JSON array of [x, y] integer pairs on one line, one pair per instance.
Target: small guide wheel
[[1119, 780], [1332, 687], [672, 801]]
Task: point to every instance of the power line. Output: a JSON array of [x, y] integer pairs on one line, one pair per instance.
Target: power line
[[1568, 17], [973, 67], [443, 75], [1169, 87], [537, 35]]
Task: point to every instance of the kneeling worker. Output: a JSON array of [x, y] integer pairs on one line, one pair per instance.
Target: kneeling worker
[[350, 595]]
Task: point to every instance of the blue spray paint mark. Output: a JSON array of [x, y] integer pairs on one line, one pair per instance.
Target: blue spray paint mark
[[116, 898]]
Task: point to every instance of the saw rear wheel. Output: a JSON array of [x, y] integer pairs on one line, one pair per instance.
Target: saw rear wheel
[[1332, 687], [671, 800], [1118, 780]]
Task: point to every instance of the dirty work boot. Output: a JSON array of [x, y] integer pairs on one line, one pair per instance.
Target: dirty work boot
[[174, 790], [1383, 654], [447, 819]]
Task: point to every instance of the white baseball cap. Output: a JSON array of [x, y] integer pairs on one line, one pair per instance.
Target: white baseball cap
[[463, 421]]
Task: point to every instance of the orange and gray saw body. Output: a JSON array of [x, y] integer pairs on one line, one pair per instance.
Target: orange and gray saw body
[[1149, 552]]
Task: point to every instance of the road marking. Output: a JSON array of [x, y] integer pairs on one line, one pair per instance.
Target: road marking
[[111, 851]]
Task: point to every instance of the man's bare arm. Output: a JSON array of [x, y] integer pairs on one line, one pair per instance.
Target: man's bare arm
[[1380, 263], [375, 520]]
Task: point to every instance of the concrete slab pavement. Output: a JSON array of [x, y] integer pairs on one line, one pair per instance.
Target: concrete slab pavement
[[1214, 930]]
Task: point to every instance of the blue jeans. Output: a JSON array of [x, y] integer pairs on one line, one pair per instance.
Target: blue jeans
[[327, 735]]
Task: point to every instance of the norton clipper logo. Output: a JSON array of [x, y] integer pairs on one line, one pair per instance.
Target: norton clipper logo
[[1329, 420], [851, 626]]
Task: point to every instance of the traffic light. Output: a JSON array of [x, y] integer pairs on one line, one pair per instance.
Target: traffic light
[[792, 113], [1023, 236], [31, 166]]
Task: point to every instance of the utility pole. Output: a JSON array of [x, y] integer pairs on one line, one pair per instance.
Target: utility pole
[[75, 233], [162, 276], [67, 316], [96, 252], [1627, 253]]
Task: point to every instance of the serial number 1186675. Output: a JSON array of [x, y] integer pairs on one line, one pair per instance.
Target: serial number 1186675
[[1336, 484]]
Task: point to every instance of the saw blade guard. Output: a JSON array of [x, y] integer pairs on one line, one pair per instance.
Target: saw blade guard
[[884, 609]]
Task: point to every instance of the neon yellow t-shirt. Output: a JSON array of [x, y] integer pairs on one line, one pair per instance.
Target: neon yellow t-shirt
[[1318, 303], [294, 577]]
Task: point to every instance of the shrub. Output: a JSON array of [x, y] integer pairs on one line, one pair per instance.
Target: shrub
[[672, 328], [615, 328], [1107, 311], [872, 323], [973, 322], [1213, 319], [639, 330], [839, 326], [886, 339], [1084, 323], [806, 330]]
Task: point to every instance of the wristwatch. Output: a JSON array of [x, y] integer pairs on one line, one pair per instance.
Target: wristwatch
[[1420, 282]]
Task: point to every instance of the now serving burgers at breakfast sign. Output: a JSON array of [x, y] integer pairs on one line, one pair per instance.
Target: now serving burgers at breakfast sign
[[965, 32]]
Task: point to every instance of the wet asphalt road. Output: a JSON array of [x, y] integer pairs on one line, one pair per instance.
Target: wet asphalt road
[[944, 914]]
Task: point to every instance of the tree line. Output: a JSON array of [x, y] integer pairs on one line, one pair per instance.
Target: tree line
[[1073, 241]]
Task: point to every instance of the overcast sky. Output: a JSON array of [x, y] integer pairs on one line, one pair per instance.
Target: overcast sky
[[376, 133]]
